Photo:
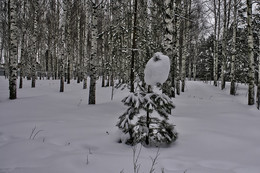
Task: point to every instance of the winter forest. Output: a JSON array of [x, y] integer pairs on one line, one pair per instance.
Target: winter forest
[[129, 86]]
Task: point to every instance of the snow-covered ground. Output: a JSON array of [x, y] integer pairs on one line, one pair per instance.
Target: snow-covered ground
[[44, 131]]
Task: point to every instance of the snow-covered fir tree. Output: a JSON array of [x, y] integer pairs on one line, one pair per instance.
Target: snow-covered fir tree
[[146, 119]]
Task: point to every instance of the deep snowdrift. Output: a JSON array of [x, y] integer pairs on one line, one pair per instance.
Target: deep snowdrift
[[218, 133]]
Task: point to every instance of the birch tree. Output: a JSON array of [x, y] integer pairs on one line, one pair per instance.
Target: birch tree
[[215, 72], [12, 30], [224, 47], [132, 74], [93, 71], [257, 22], [22, 29], [187, 4], [232, 74], [177, 50], [62, 45], [251, 72], [34, 6], [168, 38]]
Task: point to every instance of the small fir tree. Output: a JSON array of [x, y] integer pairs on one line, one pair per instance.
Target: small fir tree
[[146, 119]]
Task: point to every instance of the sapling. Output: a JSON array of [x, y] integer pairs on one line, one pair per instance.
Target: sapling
[[146, 119]]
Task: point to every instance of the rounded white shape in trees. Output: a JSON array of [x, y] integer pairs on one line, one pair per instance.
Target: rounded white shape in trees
[[157, 69]]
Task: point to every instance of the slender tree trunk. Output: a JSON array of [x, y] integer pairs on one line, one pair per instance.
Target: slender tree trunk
[[232, 74], [251, 76], [62, 46], [217, 41], [82, 25], [215, 54], [177, 50], [93, 71], [61, 75], [195, 59], [224, 47], [190, 69], [12, 49], [168, 39], [174, 53], [185, 44], [258, 86], [34, 51], [22, 62], [132, 75], [68, 71]]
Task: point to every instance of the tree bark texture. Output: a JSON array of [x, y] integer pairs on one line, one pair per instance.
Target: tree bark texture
[[224, 47], [177, 50], [168, 40], [93, 71], [185, 44], [251, 77], [232, 74], [132, 74], [12, 49]]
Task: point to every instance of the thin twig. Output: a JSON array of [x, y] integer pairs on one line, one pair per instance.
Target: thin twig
[[154, 161], [135, 159], [32, 132], [37, 133]]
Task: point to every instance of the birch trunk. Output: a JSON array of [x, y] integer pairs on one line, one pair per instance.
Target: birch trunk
[[215, 54], [251, 77], [232, 74], [92, 86], [195, 60], [34, 49], [190, 69], [12, 49], [185, 45], [61, 75], [177, 50], [62, 46], [132, 75], [258, 86], [224, 47], [22, 61], [168, 39]]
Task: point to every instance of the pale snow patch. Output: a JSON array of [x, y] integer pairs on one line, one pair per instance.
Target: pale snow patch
[[157, 69]]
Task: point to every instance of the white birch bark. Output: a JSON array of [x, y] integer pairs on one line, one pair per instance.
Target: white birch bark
[[177, 50], [185, 44], [224, 47], [92, 86], [195, 60], [258, 86], [251, 76], [63, 45], [12, 50], [168, 39], [34, 40], [215, 54], [232, 74]]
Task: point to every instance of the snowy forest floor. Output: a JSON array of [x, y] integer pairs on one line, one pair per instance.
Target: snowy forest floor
[[47, 131]]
